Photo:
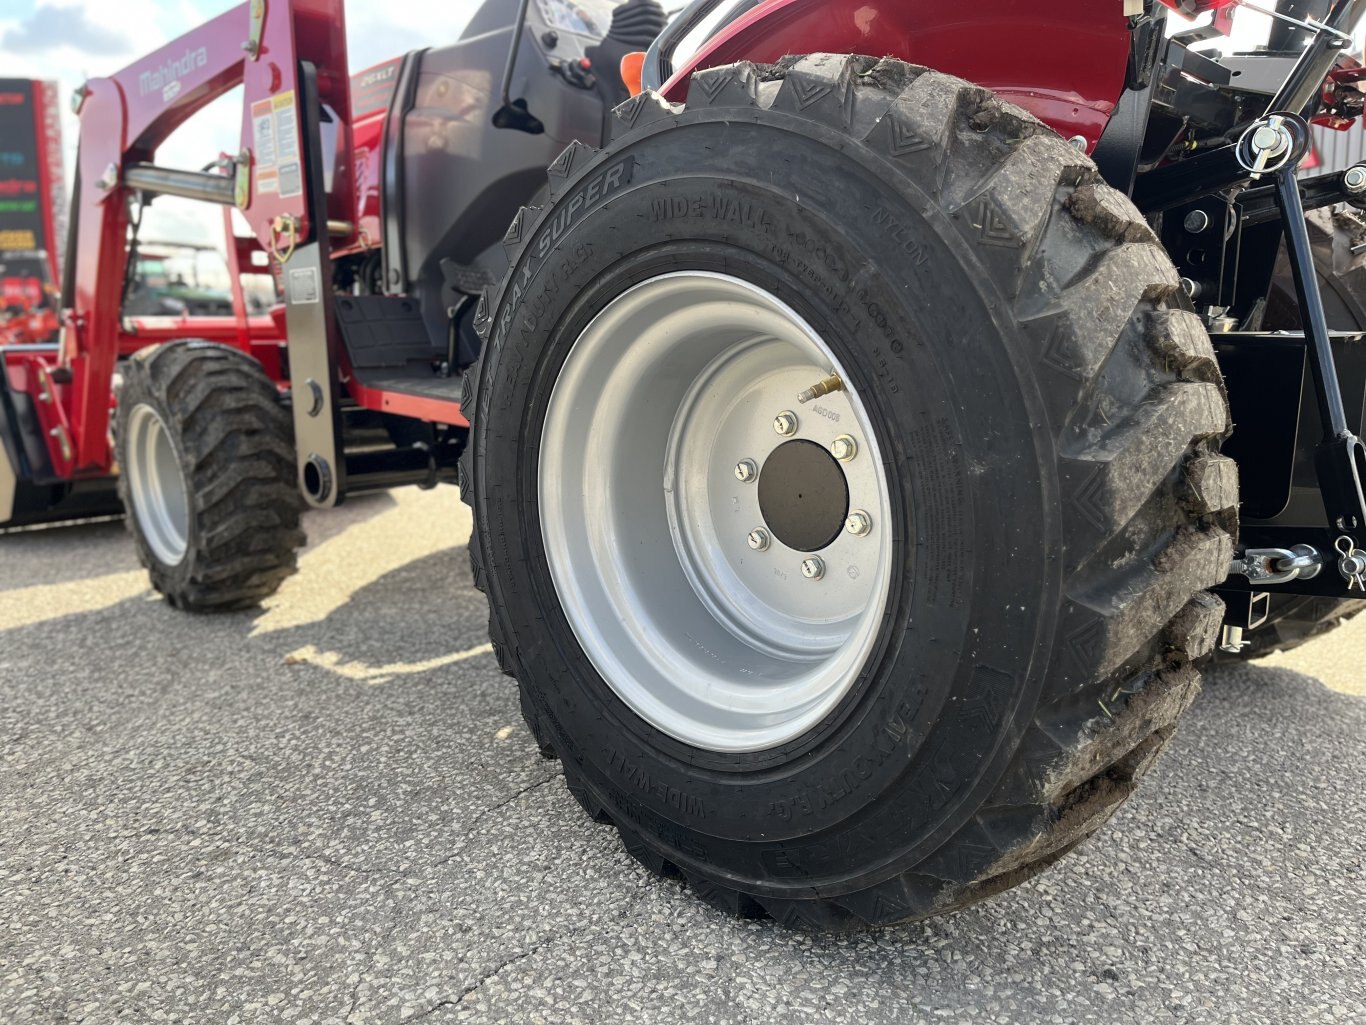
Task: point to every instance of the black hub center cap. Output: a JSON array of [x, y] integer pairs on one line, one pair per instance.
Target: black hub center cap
[[803, 495]]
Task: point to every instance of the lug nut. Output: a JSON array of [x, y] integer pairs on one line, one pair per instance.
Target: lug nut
[[813, 568], [859, 523], [759, 539], [746, 471], [785, 423], [844, 448]]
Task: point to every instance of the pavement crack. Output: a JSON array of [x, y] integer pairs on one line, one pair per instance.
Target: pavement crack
[[486, 812], [488, 977], [364, 976], [294, 854]]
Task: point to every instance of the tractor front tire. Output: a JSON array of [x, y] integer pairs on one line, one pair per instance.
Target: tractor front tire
[[204, 445], [876, 656]]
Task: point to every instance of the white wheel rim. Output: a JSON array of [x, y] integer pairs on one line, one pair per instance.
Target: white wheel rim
[[646, 524], [157, 486]]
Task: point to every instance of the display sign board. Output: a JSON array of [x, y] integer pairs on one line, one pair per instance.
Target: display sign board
[[32, 187]]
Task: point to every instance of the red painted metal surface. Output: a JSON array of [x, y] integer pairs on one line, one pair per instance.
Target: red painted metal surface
[[371, 92], [124, 118], [1064, 62], [35, 326], [439, 411]]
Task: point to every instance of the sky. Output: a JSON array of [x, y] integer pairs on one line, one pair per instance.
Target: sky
[[72, 40]]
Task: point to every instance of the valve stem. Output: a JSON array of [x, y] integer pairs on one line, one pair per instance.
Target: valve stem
[[830, 384]]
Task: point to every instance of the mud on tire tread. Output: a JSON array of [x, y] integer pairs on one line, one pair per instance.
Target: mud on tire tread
[[234, 437], [1137, 406]]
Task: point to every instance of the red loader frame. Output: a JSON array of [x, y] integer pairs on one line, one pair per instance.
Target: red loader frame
[[290, 58]]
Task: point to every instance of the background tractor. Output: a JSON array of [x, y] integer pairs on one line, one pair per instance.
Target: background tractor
[[847, 417]]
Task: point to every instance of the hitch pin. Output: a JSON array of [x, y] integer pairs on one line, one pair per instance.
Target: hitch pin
[[1352, 564]]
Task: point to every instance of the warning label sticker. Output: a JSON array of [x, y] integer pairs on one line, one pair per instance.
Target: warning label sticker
[[291, 180], [303, 285], [263, 134], [286, 126], [275, 133]]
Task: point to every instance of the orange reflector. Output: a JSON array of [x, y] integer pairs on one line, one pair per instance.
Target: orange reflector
[[631, 67]]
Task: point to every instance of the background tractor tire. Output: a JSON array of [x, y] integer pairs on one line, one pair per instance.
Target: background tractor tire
[[1048, 414], [1295, 619], [207, 475]]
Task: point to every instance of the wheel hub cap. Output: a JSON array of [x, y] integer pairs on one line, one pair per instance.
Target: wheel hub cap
[[729, 612], [803, 496]]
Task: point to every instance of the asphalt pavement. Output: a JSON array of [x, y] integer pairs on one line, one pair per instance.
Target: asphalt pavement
[[328, 811]]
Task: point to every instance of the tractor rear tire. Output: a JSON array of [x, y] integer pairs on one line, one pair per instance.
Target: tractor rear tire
[[1022, 405], [1292, 619], [207, 475]]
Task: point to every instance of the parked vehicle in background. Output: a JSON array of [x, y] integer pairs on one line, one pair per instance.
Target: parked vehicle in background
[[179, 279], [28, 298]]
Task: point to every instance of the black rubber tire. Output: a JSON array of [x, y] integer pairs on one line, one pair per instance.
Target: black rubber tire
[[234, 438], [1062, 493], [1294, 619]]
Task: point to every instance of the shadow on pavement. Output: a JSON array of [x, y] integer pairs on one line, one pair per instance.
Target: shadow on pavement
[[183, 807]]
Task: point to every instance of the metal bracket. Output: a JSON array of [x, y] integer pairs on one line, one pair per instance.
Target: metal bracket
[[1340, 458], [241, 186], [257, 14]]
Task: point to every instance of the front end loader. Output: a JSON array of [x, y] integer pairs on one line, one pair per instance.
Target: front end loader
[[847, 414]]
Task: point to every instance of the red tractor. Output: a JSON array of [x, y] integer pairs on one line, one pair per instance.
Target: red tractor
[[847, 419], [28, 299]]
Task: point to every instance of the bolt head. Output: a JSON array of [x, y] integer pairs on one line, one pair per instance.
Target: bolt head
[[785, 423], [1354, 179], [759, 539], [844, 448], [859, 523], [813, 568], [746, 471]]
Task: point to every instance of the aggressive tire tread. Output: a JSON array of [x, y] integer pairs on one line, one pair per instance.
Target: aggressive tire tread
[[1141, 468], [232, 432]]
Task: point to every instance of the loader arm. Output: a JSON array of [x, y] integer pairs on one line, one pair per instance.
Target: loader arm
[[261, 46]]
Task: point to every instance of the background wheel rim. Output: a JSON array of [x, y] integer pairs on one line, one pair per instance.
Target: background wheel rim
[[156, 484], [646, 520]]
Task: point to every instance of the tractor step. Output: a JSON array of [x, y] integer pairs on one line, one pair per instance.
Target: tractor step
[[419, 382], [395, 366], [384, 331]]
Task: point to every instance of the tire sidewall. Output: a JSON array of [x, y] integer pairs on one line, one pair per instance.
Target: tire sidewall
[[943, 372]]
